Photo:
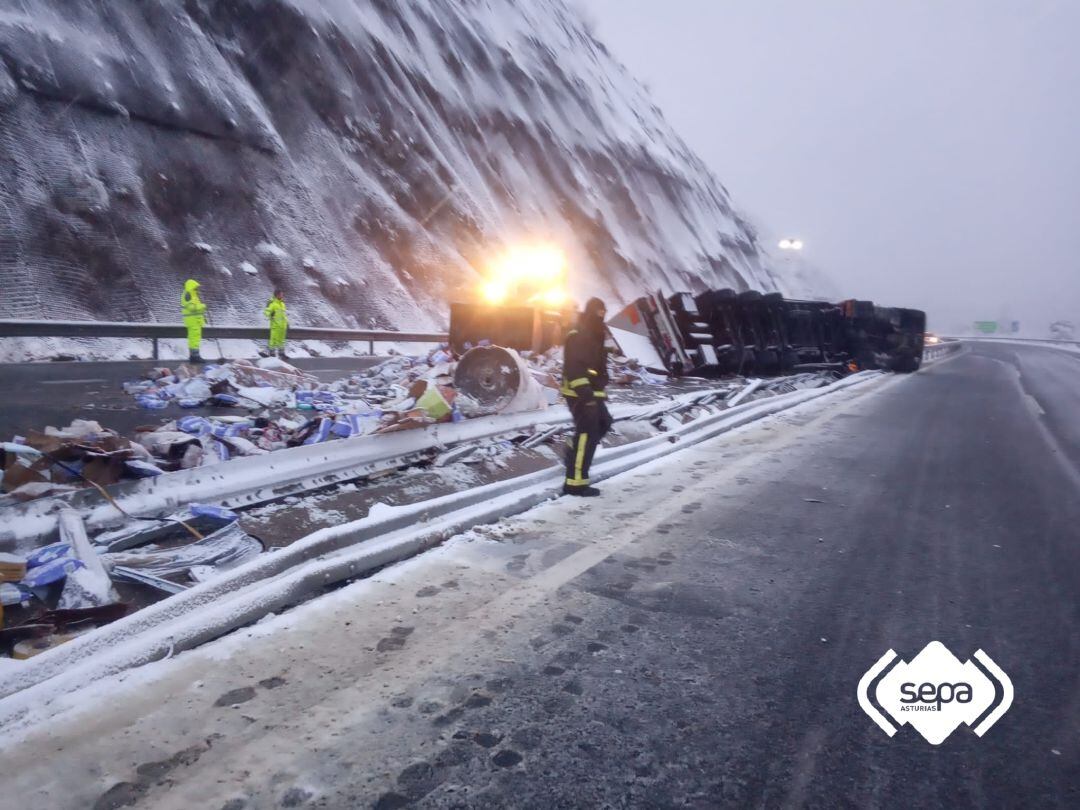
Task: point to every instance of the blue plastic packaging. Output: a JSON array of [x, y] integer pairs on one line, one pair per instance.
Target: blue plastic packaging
[[212, 511], [151, 402], [52, 571], [46, 554]]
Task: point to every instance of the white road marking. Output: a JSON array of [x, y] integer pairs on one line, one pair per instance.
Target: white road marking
[[1033, 405], [71, 382]]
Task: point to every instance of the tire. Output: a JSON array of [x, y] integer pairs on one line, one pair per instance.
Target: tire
[[766, 361], [905, 364]]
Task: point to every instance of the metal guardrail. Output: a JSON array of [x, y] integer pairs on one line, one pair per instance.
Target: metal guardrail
[[1010, 338], [935, 351], [161, 331], [951, 343]]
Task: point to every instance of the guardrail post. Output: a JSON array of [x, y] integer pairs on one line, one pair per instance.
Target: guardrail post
[[154, 342], [371, 347]]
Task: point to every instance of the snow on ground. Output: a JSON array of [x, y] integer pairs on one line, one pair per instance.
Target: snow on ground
[[296, 630], [1073, 348], [28, 350], [369, 668]]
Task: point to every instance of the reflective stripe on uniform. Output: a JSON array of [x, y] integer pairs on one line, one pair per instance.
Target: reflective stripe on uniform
[[577, 482], [579, 460], [567, 388], [600, 394]]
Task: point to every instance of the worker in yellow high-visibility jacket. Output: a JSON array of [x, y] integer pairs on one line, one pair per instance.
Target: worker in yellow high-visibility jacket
[[279, 323], [194, 312]]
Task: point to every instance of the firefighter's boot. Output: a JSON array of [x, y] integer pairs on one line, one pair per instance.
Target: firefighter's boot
[[580, 492]]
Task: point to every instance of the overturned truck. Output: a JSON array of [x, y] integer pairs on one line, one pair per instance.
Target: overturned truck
[[720, 332]]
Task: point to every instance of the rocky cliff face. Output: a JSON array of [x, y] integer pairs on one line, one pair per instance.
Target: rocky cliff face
[[366, 155]]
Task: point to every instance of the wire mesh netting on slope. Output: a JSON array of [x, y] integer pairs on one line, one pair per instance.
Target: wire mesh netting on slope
[[366, 156]]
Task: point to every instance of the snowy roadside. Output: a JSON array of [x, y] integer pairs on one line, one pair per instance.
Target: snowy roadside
[[329, 672], [33, 350], [149, 561], [341, 553]]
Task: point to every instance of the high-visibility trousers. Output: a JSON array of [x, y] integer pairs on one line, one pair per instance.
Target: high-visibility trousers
[[277, 334], [194, 325], [591, 422]]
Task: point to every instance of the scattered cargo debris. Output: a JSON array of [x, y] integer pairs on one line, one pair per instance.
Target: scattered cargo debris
[[220, 550], [498, 380], [161, 554], [64, 590], [58, 460], [87, 586], [28, 648], [12, 567]]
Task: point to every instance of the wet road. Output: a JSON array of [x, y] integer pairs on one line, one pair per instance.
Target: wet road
[[40, 394], [692, 639]]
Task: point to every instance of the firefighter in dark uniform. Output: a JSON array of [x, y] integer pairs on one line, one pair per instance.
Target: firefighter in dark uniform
[[584, 379]]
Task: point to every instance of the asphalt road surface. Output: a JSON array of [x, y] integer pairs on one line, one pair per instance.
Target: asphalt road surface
[[694, 638], [39, 394]]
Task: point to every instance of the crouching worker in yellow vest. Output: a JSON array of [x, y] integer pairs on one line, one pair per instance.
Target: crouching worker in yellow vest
[[194, 312], [584, 379], [279, 323]]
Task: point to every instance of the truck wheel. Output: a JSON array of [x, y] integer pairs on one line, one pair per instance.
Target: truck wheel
[[766, 361], [905, 364]]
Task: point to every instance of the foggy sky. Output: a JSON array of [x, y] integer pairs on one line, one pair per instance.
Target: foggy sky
[[926, 151]]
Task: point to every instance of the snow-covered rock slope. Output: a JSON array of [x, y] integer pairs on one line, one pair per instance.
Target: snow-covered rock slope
[[366, 155]]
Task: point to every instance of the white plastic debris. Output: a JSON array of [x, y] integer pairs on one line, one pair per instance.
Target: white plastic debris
[[275, 364], [78, 429], [88, 585], [263, 397]]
